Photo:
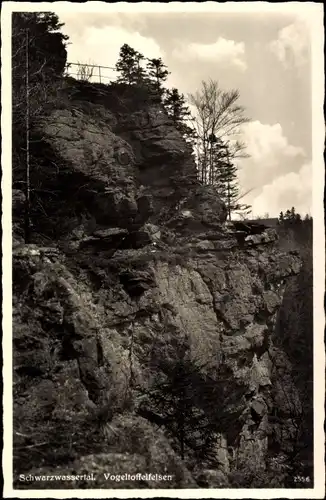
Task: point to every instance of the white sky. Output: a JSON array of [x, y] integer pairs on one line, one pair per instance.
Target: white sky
[[267, 56]]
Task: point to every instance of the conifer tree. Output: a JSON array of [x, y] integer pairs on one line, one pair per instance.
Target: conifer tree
[[189, 399], [157, 73], [290, 217], [47, 52], [140, 73], [281, 218], [36, 37], [226, 183], [180, 400], [129, 65], [224, 175], [177, 109]]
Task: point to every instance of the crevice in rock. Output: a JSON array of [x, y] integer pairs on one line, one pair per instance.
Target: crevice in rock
[[100, 355], [131, 381]]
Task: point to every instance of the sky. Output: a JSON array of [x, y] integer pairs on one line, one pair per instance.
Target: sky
[[265, 55]]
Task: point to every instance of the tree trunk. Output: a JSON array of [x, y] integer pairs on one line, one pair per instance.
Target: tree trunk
[[229, 201], [210, 179]]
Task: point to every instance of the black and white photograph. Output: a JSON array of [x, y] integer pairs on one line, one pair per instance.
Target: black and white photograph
[[163, 249]]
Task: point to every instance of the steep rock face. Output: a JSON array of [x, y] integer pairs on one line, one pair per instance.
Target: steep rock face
[[81, 348], [145, 269], [99, 168]]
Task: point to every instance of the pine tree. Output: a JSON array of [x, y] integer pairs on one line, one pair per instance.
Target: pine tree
[[177, 109], [47, 45], [281, 218], [224, 175], [295, 217], [227, 185], [129, 65], [35, 35], [291, 217], [176, 400], [215, 158], [290, 220], [287, 215], [157, 73], [140, 73]]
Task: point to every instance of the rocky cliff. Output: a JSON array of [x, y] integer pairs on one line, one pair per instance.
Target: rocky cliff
[[134, 271]]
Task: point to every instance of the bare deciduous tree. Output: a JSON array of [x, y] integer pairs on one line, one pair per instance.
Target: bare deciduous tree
[[218, 116]]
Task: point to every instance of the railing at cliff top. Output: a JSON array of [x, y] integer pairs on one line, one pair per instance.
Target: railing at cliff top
[[91, 72]]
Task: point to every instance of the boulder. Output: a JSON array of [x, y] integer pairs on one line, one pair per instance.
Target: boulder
[[258, 409]]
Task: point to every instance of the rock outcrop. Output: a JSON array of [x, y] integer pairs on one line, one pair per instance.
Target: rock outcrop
[[141, 267]]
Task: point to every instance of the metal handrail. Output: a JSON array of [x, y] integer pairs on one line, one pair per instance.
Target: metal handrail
[[90, 65], [100, 76], [93, 76]]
